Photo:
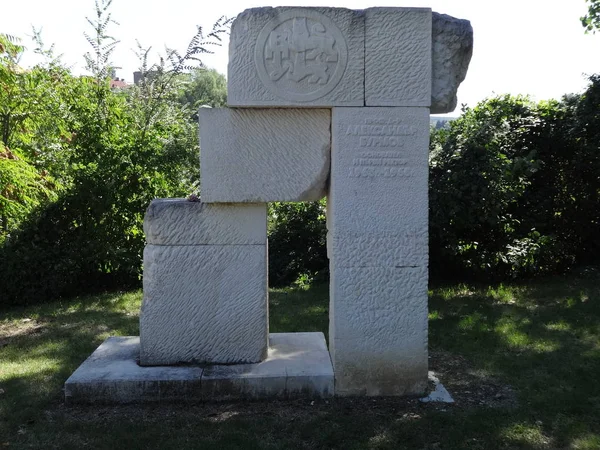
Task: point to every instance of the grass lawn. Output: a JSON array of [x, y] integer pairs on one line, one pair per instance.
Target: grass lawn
[[522, 360]]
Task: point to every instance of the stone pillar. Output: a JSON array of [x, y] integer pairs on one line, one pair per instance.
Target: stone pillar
[[205, 284], [378, 210], [377, 244]]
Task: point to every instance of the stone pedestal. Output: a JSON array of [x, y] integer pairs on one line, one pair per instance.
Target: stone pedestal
[[297, 366]]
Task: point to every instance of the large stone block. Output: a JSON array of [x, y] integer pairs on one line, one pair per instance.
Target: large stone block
[[377, 224], [378, 330], [251, 155], [398, 57], [452, 47], [204, 304], [176, 221], [379, 171], [296, 57]]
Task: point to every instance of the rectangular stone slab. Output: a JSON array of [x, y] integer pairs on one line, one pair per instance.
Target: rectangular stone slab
[[377, 212], [398, 57], [264, 155], [177, 221], [298, 366], [112, 375], [296, 57], [204, 304], [378, 330], [377, 208]]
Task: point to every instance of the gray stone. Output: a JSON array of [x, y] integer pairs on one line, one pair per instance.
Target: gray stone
[[398, 57], [452, 48], [112, 375], [439, 394], [295, 57], [175, 221], [204, 304], [264, 155], [377, 211], [298, 366]]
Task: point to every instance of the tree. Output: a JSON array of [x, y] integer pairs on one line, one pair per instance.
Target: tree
[[204, 87], [123, 149], [591, 21]]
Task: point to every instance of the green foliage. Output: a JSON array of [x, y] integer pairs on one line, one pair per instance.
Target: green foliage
[[22, 189], [114, 152], [204, 87], [297, 242], [514, 187], [591, 21]]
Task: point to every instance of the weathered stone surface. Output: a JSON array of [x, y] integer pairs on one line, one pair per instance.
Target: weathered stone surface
[[378, 330], [251, 155], [204, 304], [176, 221], [112, 375], [452, 46], [379, 172], [296, 57], [398, 57], [377, 244], [298, 365]]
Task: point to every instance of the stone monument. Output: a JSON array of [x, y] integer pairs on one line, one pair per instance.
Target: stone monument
[[322, 102]]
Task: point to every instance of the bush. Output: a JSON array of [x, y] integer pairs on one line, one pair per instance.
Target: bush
[[119, 150], [297, 242], [515, 186]]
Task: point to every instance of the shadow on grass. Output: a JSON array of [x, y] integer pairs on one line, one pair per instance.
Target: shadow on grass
[[542, 338]]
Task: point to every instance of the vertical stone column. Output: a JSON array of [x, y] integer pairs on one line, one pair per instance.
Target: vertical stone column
[[378, 211], [377, 214]]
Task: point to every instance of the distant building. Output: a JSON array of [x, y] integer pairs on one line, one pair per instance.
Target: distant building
[[117, 83]]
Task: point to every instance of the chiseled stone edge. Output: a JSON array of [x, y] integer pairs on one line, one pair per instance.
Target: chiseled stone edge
[[452, 49]]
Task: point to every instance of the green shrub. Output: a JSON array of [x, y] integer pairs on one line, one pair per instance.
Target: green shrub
[[297, 242], [515, 187]]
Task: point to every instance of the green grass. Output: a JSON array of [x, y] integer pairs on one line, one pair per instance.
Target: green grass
[[537, 341]]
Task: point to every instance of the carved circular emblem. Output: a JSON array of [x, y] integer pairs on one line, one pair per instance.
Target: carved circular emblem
[[301, 55]]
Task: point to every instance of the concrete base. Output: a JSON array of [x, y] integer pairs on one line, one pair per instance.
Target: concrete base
[[298, 365]]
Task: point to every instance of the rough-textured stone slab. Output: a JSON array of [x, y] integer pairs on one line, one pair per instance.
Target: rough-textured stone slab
[[452, 47], [298, 365], [112, 375], [176, 221], [398, 57], [379, 172], [264, 155], [296, 57], [204, 304], [378, 330], [377, 245]]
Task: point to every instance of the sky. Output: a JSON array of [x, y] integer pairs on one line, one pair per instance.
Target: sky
[[532, 47]]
